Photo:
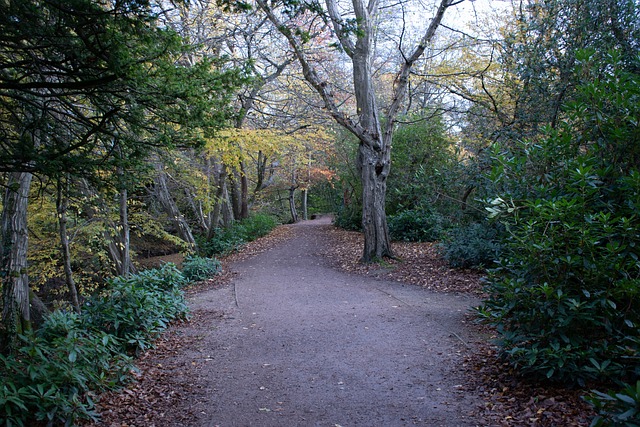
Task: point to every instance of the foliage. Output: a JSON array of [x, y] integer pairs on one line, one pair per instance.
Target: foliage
[[476, 244], [257, 225], [197, 268], [416, 225], [349, 218], [565, 294], [424, 167], [138, 307], [228, 240], [59, 367], [617, 409]]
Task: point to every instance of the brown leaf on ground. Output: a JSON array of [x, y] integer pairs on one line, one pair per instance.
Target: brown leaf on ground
[[509, 400], [415, 263]]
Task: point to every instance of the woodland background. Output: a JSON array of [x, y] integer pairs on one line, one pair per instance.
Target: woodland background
[[132, 129]]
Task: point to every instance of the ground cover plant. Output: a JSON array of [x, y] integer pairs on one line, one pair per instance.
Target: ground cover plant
[[57, 369]]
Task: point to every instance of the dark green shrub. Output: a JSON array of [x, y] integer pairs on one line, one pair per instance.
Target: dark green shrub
[[472, 245], [228, 240], [197, 268], [54, 372], [565, 296], [348, 219], [224, 242], [257, 226], [136, 309], [416, 225], [617, 409]]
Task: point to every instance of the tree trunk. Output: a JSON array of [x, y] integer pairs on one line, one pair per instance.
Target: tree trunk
[[169, 205], [373, 174], [227, 207], [16, 317], [292, 204], [61, 207], [125, 237], [244, 193], [305, 210], [220, 200]]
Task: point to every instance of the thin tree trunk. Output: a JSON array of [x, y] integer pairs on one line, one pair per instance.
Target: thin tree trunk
[[124, 234], [227, 207], [16, 316], [244, 193], [292, 204], [62, 203], [166, 201], [112, 238], [305, 210], [220, 201]]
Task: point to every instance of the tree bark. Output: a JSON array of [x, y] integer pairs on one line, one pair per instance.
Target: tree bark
[[244, 192], [305, 208], [125, 237], [62, 203], [292, 204], [16, 317]]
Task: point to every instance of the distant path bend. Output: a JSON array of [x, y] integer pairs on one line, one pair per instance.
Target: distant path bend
[[308, 345]]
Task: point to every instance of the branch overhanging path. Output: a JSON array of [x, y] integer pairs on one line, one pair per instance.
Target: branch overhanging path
[[300, 343]]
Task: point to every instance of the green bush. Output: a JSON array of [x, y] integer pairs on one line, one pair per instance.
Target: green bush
[[228, 240], [565, 296], [348, 219], [416, 225], [53, 374], [472, 245], [197, 268], [257, 226], [136, 311], [617, 409]]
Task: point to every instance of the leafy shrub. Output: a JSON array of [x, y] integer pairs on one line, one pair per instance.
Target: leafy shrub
[[416, 225], [53, 373], [228, 240], [137, 308], [197, 268], [257, 226], [474, 245], [348, 219], [167, 277], [621, 409], [565, 296]]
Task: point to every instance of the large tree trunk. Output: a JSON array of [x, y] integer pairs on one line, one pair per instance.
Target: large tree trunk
[[61, 207], [374, 219], [16, 317]]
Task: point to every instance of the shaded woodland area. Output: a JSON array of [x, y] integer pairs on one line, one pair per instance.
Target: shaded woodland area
[[506, 131]]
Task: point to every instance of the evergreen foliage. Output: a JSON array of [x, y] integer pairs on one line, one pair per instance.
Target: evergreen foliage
[[564, 296], [59, 367]]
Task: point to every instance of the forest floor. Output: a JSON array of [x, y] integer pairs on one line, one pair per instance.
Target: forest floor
[[297, 332]]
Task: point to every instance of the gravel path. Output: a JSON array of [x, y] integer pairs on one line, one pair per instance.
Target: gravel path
[[300, 343]]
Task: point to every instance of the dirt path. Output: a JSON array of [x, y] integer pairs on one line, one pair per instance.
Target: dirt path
[[295, 342]]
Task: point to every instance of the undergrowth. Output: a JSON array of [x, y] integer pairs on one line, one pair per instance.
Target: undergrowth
[[52, 378]]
